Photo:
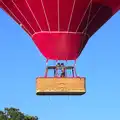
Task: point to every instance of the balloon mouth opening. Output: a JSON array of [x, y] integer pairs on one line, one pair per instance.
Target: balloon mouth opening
[[60, 45]]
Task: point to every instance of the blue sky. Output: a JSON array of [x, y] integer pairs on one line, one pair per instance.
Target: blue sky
[[21, 63]]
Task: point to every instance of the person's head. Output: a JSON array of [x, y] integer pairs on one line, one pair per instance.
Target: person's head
[[62, 64], [58, 64]]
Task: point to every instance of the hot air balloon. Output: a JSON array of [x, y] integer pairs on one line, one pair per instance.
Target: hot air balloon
[[60, 29]]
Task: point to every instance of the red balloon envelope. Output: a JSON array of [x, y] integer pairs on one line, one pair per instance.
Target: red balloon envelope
[[60, 28]]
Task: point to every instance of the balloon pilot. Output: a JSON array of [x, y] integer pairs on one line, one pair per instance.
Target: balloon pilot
[[62, 70], [59, 70]]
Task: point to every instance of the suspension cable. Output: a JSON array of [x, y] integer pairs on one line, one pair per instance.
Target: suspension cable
[[75, 67], [46, 71], [84, 15], [93, 17], [84, 32]]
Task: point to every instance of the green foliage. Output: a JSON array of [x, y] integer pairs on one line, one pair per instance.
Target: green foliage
[[15, 114]]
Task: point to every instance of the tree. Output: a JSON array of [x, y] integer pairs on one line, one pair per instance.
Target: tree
[[15, 114]]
